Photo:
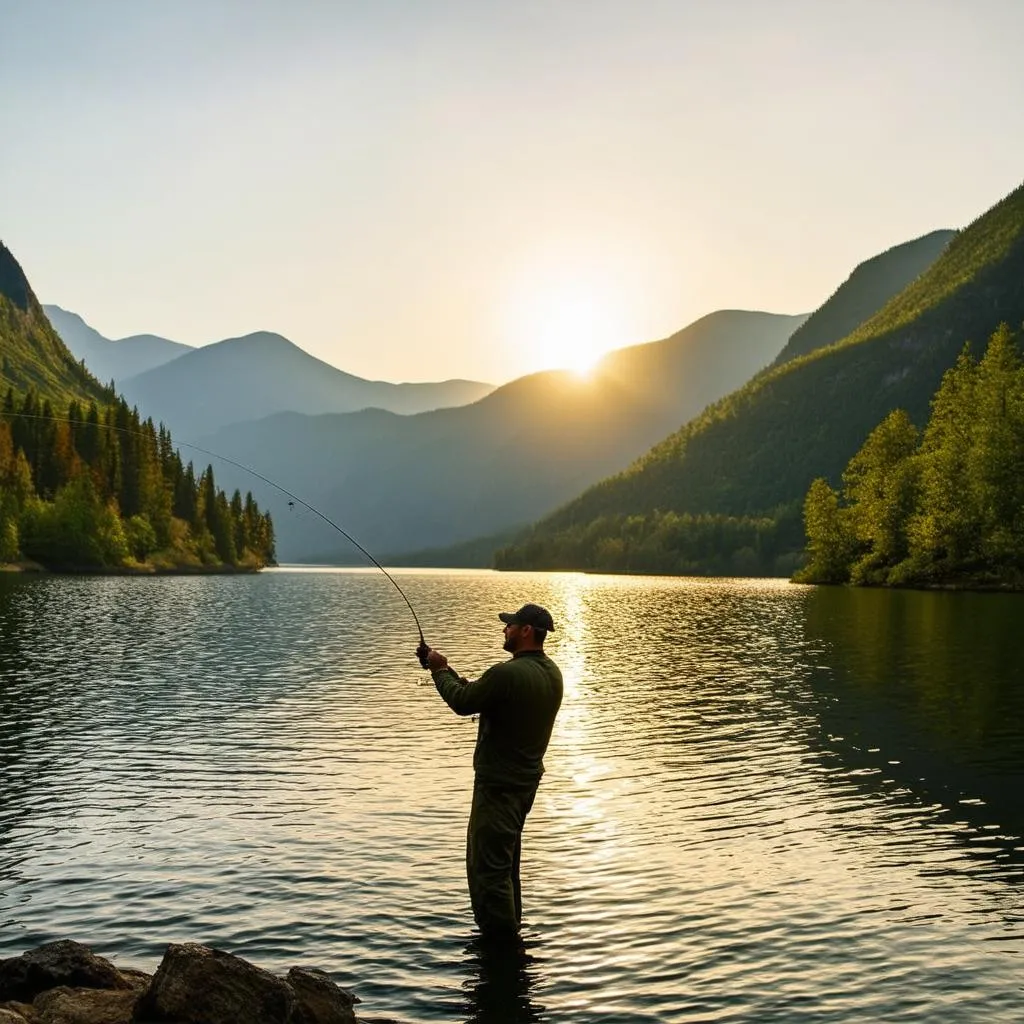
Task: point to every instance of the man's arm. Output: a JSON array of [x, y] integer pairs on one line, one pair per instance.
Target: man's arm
[[461, 695]]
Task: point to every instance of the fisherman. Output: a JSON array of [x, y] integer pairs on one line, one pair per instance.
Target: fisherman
[[517, 701]]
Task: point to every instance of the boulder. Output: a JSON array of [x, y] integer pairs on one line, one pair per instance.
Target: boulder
[[198, 985], [68, 984], [318, 1000], [85, 1006], [68, 963]]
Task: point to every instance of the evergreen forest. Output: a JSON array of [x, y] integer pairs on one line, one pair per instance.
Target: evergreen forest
[[94, 488], [943, 506], [85, 484]]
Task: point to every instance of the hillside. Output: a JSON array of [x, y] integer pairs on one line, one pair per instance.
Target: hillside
[[262, 374], [871, 285], [109, 359], [759, 449], [31, 353], [85, 484], [401, 483]]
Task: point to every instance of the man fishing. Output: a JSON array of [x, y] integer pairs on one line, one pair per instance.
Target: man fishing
[[517, 701]]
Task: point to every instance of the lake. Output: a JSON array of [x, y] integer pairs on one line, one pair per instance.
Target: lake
[[764, 802]]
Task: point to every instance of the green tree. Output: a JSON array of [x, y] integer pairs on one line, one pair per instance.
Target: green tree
[[880, 487], [995, 461], [76, 530], [140, 537], [831, 543], [944, 531]]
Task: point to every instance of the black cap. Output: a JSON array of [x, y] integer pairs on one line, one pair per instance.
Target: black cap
[[529, 615]]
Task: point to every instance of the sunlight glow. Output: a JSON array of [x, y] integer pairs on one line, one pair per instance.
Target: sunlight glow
[[568, 321], [574, 334]]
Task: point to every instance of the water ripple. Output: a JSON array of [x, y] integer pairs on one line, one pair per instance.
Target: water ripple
[[764, 803]]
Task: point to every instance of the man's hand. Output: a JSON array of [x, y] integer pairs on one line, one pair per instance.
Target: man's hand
[[421, 653], [436, 660]]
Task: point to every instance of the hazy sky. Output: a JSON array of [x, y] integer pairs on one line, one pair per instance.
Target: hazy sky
[[416, 190]]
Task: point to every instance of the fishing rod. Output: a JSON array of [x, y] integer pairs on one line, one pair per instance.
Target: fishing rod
[[421, 651]]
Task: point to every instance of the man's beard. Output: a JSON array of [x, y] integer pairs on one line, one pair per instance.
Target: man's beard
[[509, 645]]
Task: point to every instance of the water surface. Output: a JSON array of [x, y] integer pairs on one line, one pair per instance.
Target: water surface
[[764, 802]]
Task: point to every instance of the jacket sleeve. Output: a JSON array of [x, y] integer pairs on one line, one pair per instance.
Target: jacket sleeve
[[468, 698]]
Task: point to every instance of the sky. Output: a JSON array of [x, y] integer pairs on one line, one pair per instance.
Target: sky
[[428, 189]]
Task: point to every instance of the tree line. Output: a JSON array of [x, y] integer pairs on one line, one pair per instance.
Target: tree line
[[663, 541], [938, 506], [100, 488]]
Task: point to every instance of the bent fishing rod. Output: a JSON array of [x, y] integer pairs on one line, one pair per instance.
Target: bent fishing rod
[[421, 651]]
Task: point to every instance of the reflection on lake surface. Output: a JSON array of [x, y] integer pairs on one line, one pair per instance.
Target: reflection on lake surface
[[763, 802]]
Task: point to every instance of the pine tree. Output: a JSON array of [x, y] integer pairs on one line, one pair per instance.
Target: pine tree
[[880, 486], [944, 531], [995, 462]]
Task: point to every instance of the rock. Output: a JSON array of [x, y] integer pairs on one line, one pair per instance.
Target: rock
[[138, 980], [19, 1012], [57, 963], [68, 984], [85, 1006], [198, 985], [318, 1000]]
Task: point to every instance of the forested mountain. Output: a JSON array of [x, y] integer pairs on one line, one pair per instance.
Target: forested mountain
[[400, 483], [261, 374], [871, 285], [751, 457], [31, 353], [84, 483], [940, 506], [109, 359]]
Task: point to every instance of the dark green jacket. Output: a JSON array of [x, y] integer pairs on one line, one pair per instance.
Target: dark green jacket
[[517, 701]]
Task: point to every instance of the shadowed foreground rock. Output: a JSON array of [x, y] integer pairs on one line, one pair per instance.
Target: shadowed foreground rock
[[66, 983], [58, 963]]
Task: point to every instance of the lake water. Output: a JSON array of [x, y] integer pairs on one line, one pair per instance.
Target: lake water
[[764, 802]]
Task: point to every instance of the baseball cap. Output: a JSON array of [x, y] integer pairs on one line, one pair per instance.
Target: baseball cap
[[529, 615]]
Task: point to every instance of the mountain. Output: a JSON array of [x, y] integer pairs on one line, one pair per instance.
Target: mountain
[[758, 450], [32, 354], [262, 374], [871, 285], [85, 485], [401, 483], [108, 359]]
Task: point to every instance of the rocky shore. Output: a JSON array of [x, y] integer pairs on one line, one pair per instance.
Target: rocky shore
[[66, 983]]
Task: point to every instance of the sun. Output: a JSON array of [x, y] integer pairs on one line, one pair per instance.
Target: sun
[[565, 310], [574, 330]]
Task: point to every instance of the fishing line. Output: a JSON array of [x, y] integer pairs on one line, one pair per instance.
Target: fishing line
[[259, 476]]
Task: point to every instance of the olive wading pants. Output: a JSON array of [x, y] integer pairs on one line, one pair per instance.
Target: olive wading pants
[[493, 848]]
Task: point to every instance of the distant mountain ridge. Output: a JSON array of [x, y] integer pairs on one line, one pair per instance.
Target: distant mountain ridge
[[871, 285], [110, 359], [401, 483], [758, 449], [262, 374]]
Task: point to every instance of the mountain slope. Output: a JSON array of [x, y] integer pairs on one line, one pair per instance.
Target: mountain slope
[[262, 374], [871, 285], [32, 354], [109, 359], [760, 448], [403, 483]]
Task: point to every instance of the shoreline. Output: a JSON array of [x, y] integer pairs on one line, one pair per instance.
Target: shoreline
[[28, 567], [949, 586]]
